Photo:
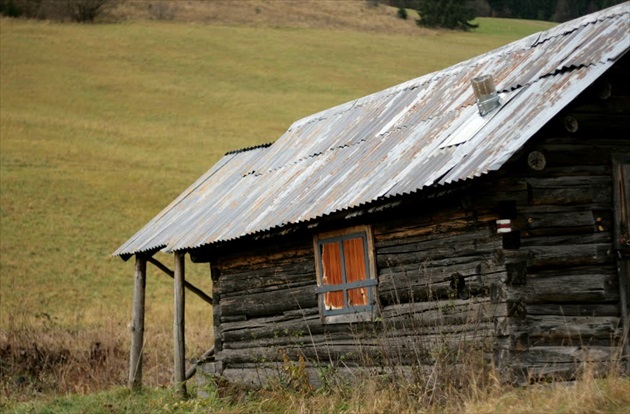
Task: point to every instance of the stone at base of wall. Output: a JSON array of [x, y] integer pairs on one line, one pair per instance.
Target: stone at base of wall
[[204, 372], [211, 368]]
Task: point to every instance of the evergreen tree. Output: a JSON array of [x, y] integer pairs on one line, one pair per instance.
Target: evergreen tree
[[450, 14]]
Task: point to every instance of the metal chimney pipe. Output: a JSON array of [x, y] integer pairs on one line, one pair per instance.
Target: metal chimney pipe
[[486, 94]]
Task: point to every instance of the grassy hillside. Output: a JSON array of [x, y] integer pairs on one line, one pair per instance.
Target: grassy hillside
[[102, 125]]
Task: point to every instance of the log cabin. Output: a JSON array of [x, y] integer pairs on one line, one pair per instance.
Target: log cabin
[[484, 206]]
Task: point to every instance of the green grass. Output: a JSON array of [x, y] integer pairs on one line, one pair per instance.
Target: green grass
[[605, 396], [103, 125], [507, 28], [117, 400]]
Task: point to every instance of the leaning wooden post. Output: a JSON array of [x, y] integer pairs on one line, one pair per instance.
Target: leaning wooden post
[[179, 325], [137, 324]]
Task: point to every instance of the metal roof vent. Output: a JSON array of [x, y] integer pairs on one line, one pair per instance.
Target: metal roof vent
[[486, 94]]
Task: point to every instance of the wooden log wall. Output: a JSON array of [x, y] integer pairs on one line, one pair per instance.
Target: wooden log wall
[[540, 300], [568, 297], [436, 271]]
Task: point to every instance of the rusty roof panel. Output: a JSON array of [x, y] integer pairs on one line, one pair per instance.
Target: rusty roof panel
[[421, 133]]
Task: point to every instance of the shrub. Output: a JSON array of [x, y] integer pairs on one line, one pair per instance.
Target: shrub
[[449, 14], [10, 8], [85, 11]]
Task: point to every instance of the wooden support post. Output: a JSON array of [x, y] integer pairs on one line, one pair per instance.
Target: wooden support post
[[621, 243], [179, 325], [137, 324]]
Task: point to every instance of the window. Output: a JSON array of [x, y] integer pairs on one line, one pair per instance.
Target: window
[[346, 282]]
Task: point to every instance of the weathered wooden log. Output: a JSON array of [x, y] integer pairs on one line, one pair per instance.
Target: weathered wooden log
[[573, 309], [295, 250], [434, 230], [514, 182], [274, 288], [435, 261], [567, 239], [298, 263], [271, 302], [430, 209], [582, 155], [610, 142], [566, 232], [575, 329], [217, 314], [444, 312], [466, 241], [414, 331], [591, 123], [436, 276], [556, 216], [569, 190], [565, 354], [567, 182], [421, 287], [137, 324], [263, 275], [467, 264], [590, 284], [402, 348], [275, 320], [432, 213], [555, 170], [555, 257], [272, 327]]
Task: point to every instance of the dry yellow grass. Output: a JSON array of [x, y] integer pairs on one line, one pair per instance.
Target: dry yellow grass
[[38, 357], [589, 396]]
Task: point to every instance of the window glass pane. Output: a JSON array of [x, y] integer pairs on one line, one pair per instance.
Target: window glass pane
[[357, 297], [331, 274], [354, 256]]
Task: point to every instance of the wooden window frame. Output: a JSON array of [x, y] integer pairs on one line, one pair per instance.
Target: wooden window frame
[[365, 313]]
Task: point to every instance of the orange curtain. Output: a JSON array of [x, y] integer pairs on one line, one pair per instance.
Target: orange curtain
[[331, 269], [354, 256]]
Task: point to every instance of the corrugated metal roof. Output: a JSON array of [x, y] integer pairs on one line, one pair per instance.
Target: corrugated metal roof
[[421, 133]]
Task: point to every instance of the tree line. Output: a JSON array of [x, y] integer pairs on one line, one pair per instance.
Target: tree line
[[82, 11], [453, 14], [549, 10]]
